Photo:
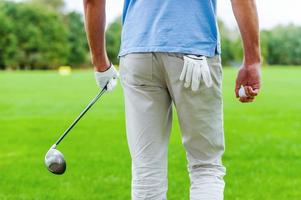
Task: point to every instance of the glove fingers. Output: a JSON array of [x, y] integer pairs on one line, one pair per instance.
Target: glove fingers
[[195, 83], [194, 70], [206, 75], [188, 74], [183, 73], [99, 80]]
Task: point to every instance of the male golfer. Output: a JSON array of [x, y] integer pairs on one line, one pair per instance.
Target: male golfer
[[170, 54]]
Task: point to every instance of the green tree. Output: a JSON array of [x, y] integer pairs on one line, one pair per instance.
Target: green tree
[[77, 39], [37, 37], [264, 46], [284, 45], [8, 41]]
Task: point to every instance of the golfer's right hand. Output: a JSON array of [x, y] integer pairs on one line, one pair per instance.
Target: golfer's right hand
[[248, 77], [109, 76]]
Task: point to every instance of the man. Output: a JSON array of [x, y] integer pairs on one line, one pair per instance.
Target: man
[[170, 53]]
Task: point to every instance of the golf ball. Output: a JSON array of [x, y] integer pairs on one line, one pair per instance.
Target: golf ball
[[242, 92]]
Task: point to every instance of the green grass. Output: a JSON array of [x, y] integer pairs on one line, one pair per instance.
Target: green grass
[[263, 141]]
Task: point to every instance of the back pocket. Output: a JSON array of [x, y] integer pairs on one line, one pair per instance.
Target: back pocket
[[137, 69]]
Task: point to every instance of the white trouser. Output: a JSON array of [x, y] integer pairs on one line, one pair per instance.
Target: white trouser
[[151, 83]]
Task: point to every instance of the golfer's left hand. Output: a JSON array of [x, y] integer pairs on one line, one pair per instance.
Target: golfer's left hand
[[107, 78], [249, 77]]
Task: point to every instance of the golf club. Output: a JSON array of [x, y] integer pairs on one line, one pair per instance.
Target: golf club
[[54, 159]]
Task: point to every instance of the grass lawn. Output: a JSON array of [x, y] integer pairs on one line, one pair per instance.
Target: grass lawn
[[263, 141]]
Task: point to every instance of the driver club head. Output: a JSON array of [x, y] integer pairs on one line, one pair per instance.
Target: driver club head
[[55, 161]]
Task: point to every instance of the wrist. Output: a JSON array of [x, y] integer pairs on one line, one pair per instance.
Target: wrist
[[249, 62], [252, 58], [251, 66], [101, 65], [102, 68], [100, 62]]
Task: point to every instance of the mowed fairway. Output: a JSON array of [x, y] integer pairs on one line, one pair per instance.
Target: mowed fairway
[[263, 139]]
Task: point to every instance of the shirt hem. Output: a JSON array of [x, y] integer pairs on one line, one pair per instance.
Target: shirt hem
[[209, 52]]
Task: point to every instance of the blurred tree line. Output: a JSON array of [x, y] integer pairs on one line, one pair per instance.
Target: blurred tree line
[[37, 34], [280, 45], [40, 34]]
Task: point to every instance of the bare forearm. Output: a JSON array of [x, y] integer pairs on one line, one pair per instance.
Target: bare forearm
[[245, 12], [95, 21]]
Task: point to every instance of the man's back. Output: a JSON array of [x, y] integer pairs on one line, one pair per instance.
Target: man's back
[[186, 26]]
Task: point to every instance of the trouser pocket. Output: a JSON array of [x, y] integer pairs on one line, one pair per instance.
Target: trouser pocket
[[137, 69]]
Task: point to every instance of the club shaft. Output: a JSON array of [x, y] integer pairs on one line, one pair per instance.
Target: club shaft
[[81, 115]]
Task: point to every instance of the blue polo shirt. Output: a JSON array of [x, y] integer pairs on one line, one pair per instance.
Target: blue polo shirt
[[179, 26]]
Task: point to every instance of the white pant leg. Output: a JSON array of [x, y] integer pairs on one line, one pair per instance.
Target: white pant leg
[[201, 120], [148, 122]]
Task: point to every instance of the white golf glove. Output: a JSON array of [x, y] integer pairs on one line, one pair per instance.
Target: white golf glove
[[109, 76], [195, 69]]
